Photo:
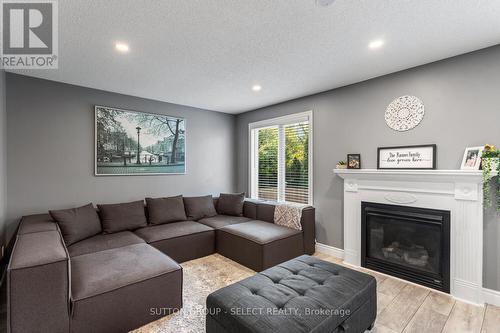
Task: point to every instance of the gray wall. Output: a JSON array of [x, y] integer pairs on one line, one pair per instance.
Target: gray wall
[[51, 149], [461, 96], [3, 156]]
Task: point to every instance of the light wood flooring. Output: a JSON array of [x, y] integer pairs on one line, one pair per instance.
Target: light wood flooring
[[405, 307]]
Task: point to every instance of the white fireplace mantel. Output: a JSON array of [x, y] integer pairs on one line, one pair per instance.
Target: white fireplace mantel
[[457, 191], [438, 175]]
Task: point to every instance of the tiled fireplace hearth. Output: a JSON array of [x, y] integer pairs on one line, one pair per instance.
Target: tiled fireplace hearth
[[442, 205]]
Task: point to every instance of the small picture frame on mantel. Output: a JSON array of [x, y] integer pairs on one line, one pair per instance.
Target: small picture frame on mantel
[[353, 161], [422, 157], [472, 158]]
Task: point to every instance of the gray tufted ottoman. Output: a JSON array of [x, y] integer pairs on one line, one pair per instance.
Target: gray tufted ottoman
[[304, 294]]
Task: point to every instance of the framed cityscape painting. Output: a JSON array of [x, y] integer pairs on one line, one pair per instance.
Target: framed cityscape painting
[[138, 143]]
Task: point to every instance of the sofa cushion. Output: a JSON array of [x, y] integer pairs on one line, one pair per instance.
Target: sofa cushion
[[115, 290], [77, 223], [265, 211], [187, 247], [231, 204], [199, 207], [156, 233], [220, 221], [100, 272], [260, 232], [122, 216], [104, 242], [165, 210]]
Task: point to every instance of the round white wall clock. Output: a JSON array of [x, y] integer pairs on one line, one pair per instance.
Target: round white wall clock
[[404, 113]]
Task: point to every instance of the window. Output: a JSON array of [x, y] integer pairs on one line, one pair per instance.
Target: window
[[281, 159]]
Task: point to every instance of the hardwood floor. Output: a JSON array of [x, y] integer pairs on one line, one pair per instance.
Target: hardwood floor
[[408, 308]]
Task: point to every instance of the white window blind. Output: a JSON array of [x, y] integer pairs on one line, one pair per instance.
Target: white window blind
[[281, 159], [268, 163]]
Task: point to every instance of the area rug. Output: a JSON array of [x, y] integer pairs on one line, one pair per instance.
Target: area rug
[[201, 277]]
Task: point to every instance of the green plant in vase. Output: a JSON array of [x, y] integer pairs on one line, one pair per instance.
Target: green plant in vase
[[490, 164]]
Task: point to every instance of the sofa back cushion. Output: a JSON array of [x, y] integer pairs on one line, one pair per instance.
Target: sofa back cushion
[[231, 204], [199, 207], [166, 210], [77, 224], [123, 216], [265, 212]]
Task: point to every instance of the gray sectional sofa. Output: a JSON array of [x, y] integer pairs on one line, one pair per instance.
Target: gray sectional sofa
[[127, 273]]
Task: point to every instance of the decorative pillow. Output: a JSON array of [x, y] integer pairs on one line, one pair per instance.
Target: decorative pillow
[[165, 210], [77, 224], [123, 216], [199, 207], [231, 204]]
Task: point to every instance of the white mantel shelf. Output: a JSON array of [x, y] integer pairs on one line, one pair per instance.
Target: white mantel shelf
[[408, 175], [457, 191], [408, 172]]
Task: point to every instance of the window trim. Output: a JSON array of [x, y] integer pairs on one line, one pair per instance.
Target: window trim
[[253, 142]]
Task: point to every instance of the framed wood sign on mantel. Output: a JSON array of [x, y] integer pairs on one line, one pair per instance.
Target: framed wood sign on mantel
[[422, 157]]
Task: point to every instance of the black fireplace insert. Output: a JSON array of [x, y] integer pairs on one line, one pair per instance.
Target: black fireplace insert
[[407, 242]]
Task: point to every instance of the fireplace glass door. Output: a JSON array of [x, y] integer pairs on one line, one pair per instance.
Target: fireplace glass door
[[407, 242]]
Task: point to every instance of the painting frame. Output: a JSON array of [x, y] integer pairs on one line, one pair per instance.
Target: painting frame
[[354, 157], [433, 157], [96, 166], [466, 158]]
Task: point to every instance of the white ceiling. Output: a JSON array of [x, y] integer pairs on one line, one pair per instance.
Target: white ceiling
[[209, 53]]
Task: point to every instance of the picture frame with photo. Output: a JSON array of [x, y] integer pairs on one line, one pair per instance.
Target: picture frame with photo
[[353, 161], [472, 158]]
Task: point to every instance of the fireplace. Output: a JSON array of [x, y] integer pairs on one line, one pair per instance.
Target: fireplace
[[458, 192], [407, 242]]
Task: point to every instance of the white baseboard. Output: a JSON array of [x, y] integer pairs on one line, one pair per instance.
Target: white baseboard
[[491, 296], [330, 250]]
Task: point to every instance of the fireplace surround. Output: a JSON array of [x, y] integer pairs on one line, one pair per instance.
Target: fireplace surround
[[407, 242], [456, 191]]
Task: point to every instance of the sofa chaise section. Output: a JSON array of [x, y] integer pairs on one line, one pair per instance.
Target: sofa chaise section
[[121, 289], [259, 244], [264, 211], [38, 281], [181, 241]]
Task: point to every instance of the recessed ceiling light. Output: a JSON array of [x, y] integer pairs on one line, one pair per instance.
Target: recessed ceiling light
[[122, 47], [324, 3], [256, 87], [376, 44]]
